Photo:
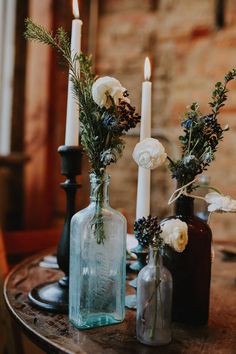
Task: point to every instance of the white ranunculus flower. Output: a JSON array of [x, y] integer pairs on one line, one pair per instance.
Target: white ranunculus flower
[[220, 203], [175, 234], [149, 153], [106, 87]]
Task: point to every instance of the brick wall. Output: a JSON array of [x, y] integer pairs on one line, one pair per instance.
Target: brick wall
[[188, 56]]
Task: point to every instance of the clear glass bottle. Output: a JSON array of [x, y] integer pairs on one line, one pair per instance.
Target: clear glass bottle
[[154, 302], [97, 261]]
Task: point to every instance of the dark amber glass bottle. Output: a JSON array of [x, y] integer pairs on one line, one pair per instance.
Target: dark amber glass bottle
[[191, 269]]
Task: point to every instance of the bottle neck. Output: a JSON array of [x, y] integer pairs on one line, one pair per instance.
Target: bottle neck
[[184, 206], [99, 188], [154, 257]]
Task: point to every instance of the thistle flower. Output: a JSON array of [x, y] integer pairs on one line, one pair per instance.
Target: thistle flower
[[191, 162], [111, 155], [208, 157]]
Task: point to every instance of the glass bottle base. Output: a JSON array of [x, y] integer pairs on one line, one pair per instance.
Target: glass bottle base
[[164, 339], [96, 321]]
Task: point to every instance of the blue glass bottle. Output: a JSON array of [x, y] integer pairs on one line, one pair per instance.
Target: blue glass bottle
[[97, 261]]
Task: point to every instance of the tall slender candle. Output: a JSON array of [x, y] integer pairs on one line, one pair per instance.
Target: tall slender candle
[[72, 115], [7, 62], [144, 175]]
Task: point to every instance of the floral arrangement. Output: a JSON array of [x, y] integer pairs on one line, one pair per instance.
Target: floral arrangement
[[170, 233], [105, 110], [199, 143], [202, 134]]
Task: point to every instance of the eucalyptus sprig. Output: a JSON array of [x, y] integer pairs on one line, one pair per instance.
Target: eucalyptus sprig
[[202, 134]]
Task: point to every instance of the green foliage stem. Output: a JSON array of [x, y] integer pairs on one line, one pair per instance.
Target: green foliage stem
[[202, 134]]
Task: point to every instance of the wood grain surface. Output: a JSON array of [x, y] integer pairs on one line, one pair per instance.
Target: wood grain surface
[[54, 334]]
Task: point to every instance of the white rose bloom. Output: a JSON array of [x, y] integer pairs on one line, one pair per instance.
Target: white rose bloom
[[220, 203], [175, 234], [106, 87], [149, 153]]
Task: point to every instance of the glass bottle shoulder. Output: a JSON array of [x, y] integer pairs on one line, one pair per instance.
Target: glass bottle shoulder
[[193, 221], [107, 212], [148, 273]]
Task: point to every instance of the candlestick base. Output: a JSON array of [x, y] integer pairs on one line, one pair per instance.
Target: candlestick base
[[51, 297], [141, 252], [133, 283], [131, 301], [54, 296]]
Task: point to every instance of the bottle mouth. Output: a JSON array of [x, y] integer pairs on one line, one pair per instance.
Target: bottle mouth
[[104, 178], [184, 198], [155, 249]]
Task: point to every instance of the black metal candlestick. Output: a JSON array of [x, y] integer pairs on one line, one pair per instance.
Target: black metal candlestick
[[54, 296]]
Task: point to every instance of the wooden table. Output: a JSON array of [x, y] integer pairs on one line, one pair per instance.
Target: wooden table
[[54, 334]]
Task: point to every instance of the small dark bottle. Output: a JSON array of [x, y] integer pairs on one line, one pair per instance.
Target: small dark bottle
[[191, 269]]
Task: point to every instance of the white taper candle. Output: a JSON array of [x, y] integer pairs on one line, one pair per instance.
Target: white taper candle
[[72, 115], [144, 175], [7, 62]]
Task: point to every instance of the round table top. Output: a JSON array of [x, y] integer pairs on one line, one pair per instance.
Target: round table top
[[53, 332]]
